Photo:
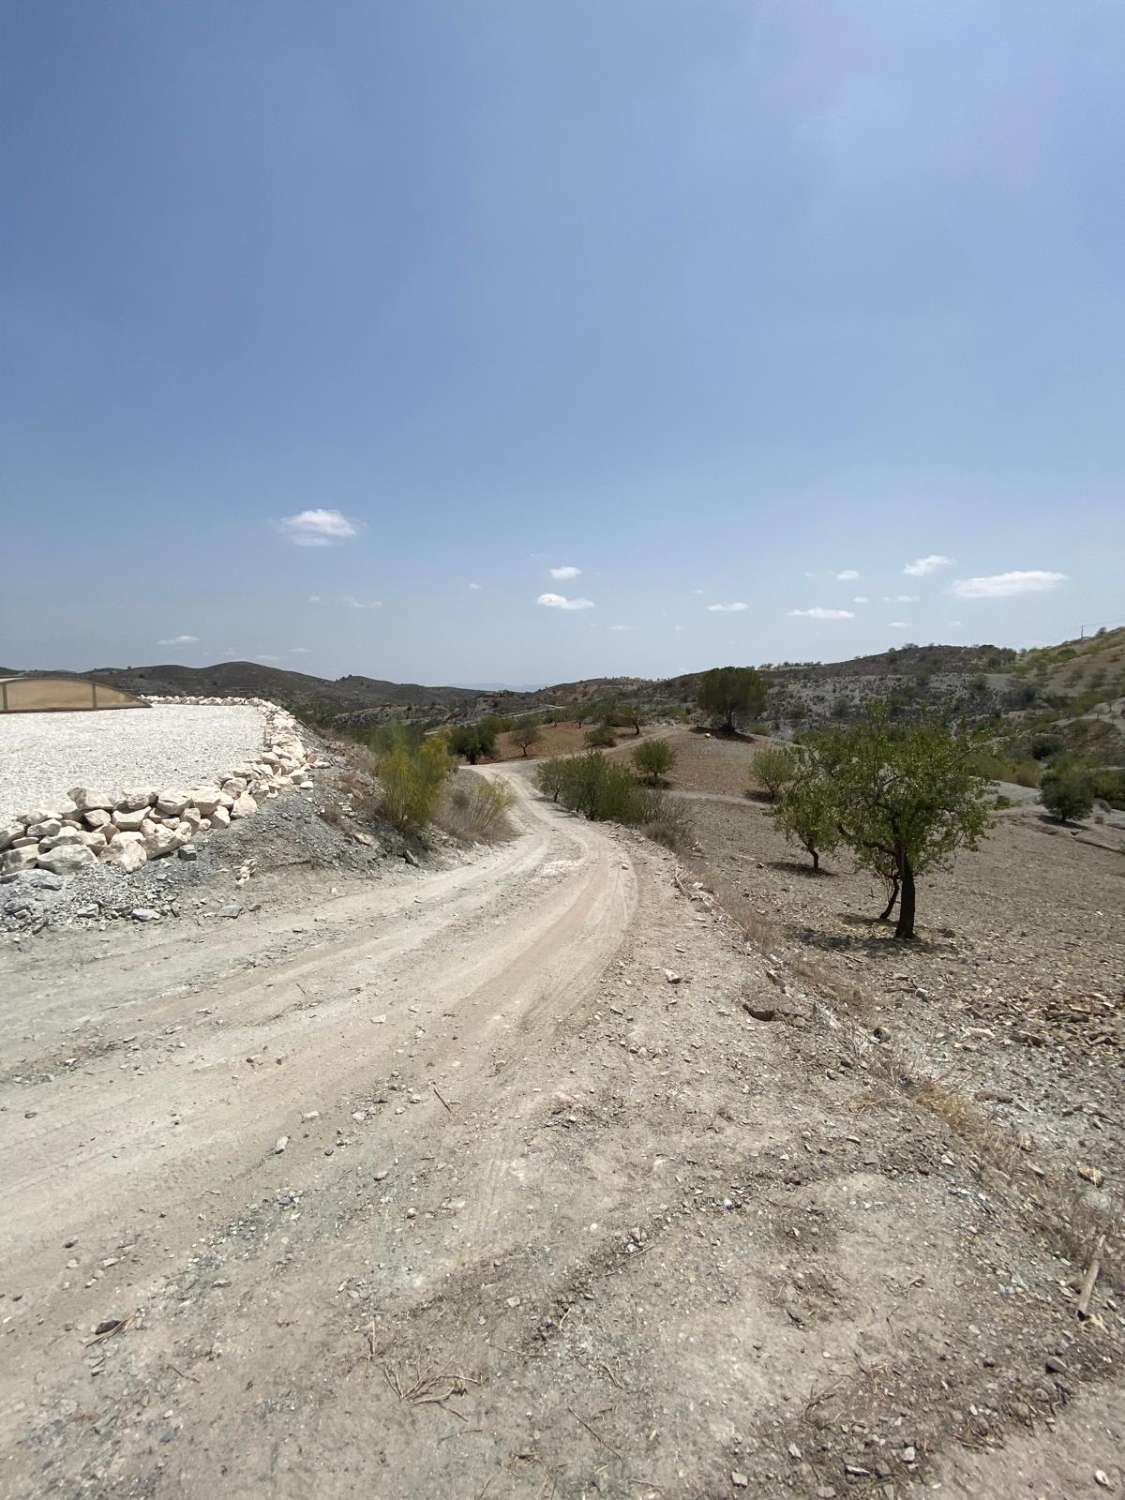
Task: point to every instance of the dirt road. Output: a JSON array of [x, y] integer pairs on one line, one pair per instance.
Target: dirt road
[[475, 1182]]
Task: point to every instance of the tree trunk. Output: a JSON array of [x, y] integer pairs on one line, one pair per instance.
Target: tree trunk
[[905, 928], [885, 914], [815, 861]]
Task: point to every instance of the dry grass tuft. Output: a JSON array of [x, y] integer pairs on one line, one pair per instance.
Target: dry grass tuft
[[475, 810]]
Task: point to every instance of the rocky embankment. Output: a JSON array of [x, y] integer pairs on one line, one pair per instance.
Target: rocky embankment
[[127, 829]]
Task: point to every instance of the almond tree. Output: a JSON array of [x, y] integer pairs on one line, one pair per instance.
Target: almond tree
[[906, 797]]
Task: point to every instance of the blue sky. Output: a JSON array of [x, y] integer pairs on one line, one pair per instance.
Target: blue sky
[[712, 302]]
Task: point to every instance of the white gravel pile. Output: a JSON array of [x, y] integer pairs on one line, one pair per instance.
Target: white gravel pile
[[43, 755]]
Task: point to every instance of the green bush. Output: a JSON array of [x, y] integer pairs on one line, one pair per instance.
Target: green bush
[[1067, 792], [603, 790], [775, 768], [653, 760], [601, 737], [549, 777], [412, 782]]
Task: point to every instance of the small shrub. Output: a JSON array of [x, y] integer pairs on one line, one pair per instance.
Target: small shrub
[[775, 768], [1067, 792], [653, 760], [601, 737], [477, 809], [412, 783], [806, 813]]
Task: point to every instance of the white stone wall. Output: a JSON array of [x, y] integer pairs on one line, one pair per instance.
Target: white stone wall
[[149, 822]]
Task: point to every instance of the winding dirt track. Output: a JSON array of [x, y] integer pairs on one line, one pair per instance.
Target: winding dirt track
[[442, 1186]]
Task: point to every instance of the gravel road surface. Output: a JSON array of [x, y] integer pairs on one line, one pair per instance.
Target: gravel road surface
[[484, 1181], [43, 755]]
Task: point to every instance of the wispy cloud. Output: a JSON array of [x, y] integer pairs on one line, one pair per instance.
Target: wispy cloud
[[560, 601], [621, 627], [921, 567], [900, 599], [318, 528], [818, 612], [1008, 585], [566, 571], [474, 586], [861, 599], [849, 575], [265, 658], [900, 624], [179, 640], [314, 599], [353, 603], [735, 608], [298, 651]]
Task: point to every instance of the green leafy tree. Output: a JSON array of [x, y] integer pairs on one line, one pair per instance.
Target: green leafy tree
[[474, 740], [526, 734], [412, 782], [806, 812], [906, 796], [1067, 792], [775, 767], [653, 760], [725, 692], [550, 776]]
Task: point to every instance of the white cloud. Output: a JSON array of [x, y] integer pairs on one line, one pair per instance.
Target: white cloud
[[728, 609], [621, 627], [922, 566], [861, 599], [566, 571], [818, 612], [474, 586], [265, 658], [900, 599], [900, 624], [179, 640], [956, 624], [314, 598], [697, 591], [560, 601], [298, 651], [849, 575], [353, 603], [1008, 585], [317, 528]]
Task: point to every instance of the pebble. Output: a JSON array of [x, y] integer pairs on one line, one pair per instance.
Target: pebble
[[282, 1142], [145, 914], [738, 1479]]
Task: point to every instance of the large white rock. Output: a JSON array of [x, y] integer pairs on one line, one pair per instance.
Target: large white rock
[[24, 841], [8, 832], [87, 799], [127, 852], [94, 839], [207, 799], [244, 806], [139, 797], [36, 815], [19, 859], [44, 830], [220, 818], [160, 841], [97, 818], [65, 859], [131, 821], [171, 803], [60, 840], [193, 816]]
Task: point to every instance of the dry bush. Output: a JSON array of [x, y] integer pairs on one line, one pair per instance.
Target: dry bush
[[476, 810]]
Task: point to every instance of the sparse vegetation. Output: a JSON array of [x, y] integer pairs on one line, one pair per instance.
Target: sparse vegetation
[[601, 737], [653, 760]]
